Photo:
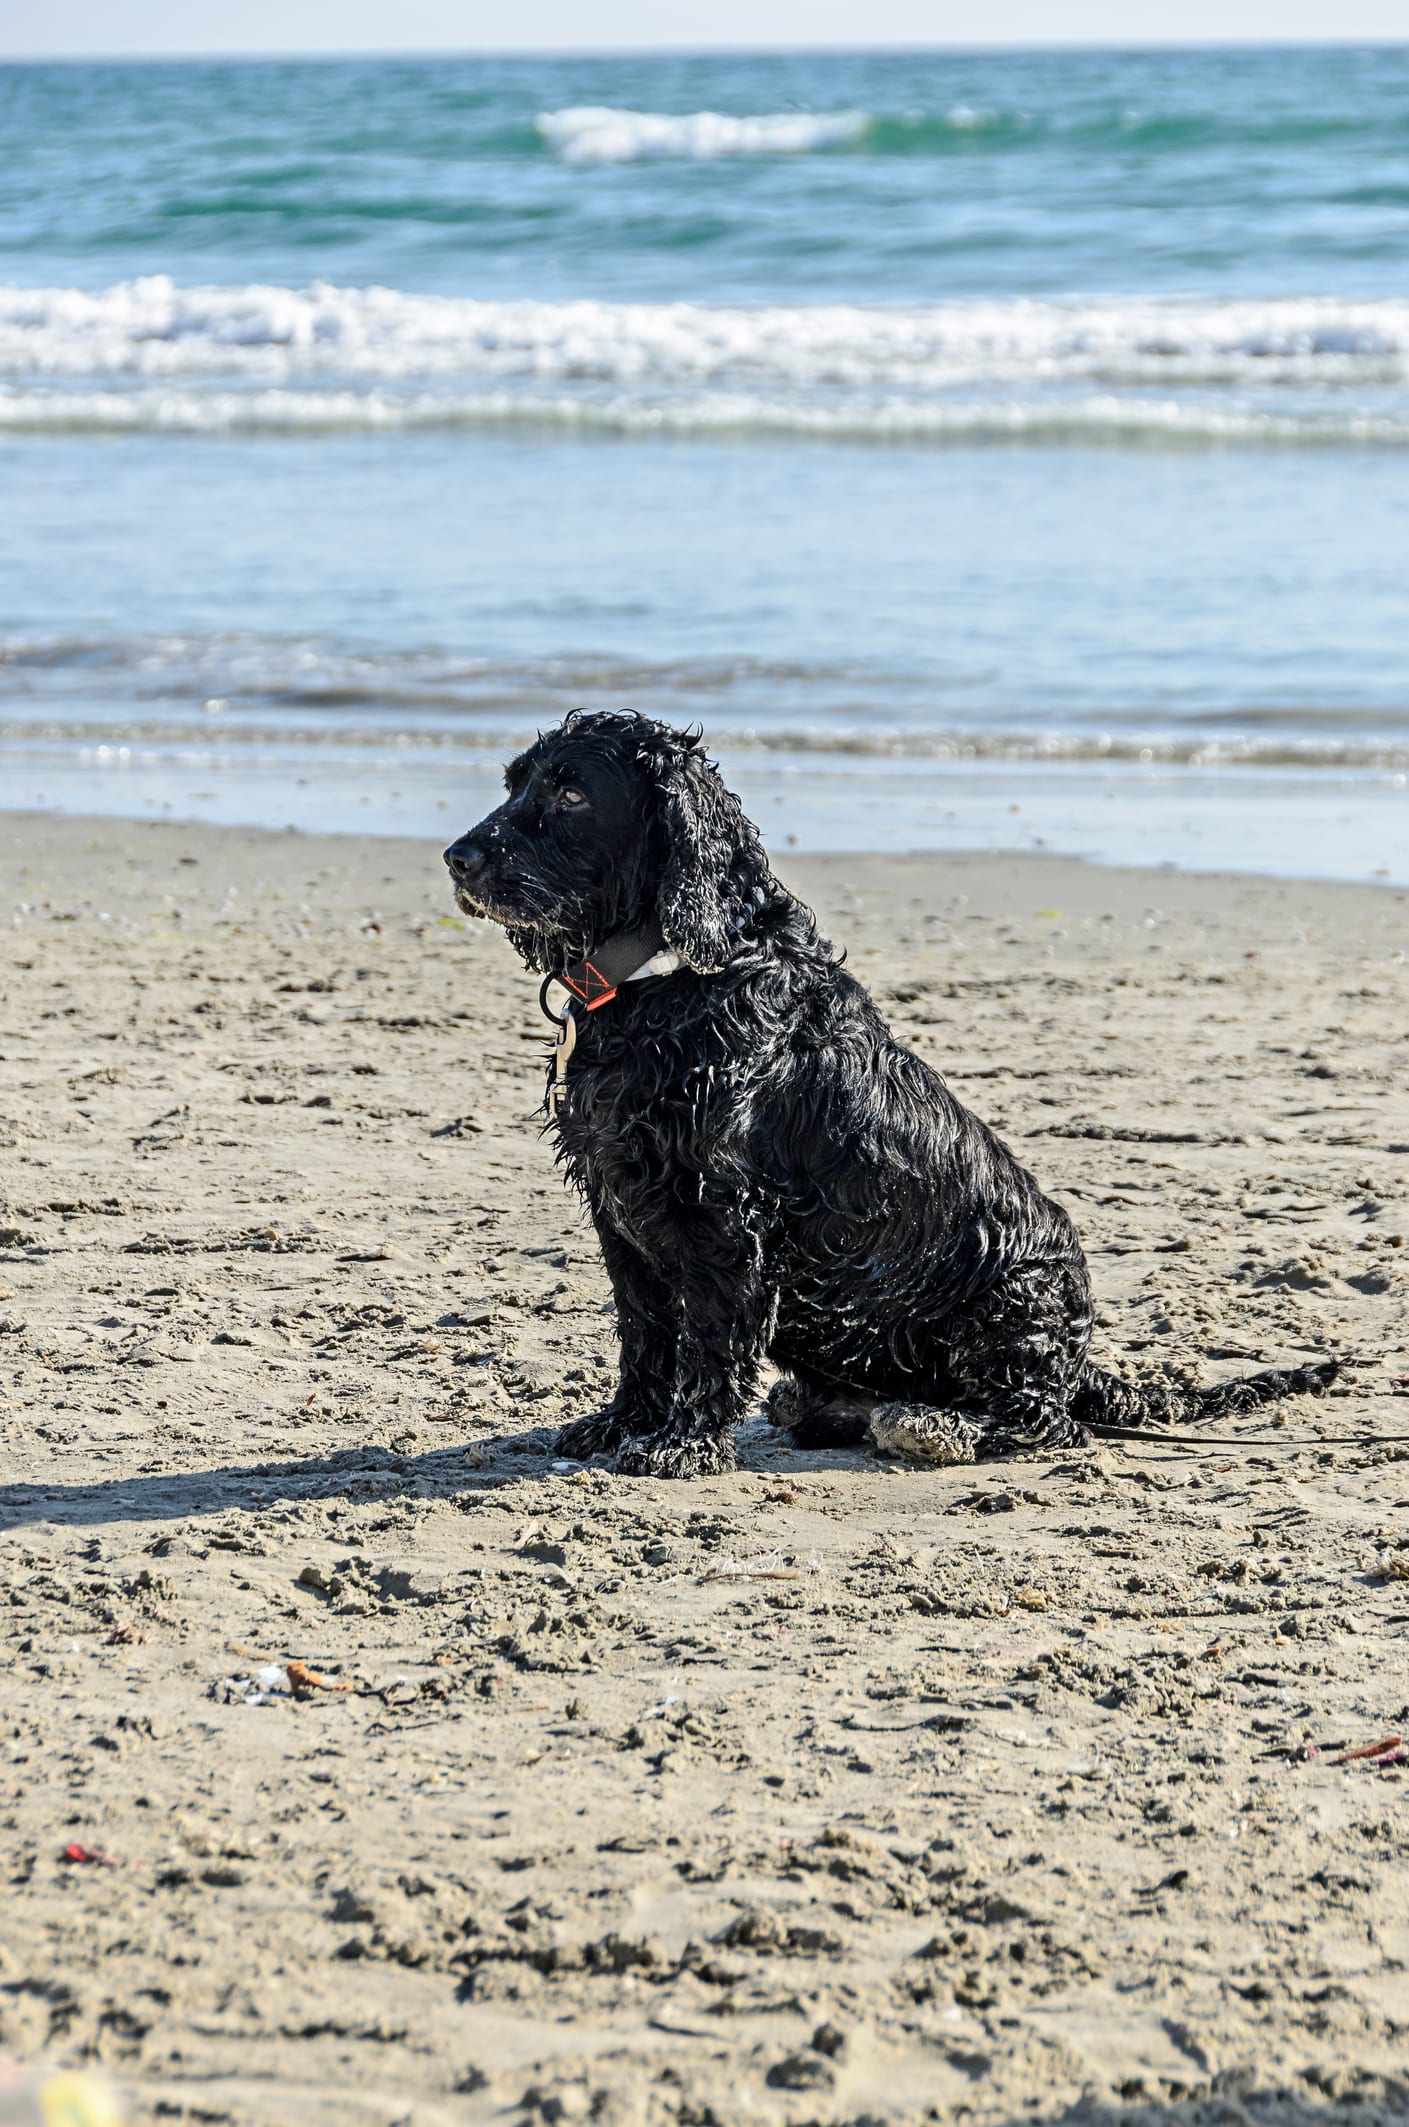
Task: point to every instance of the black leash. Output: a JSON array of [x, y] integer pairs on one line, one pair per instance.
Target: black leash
[[1153, 1436]]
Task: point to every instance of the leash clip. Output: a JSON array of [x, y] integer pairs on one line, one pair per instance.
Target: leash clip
[[564, 1044]]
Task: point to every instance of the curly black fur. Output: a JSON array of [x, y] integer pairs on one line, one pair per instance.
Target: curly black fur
[[770, 1174]]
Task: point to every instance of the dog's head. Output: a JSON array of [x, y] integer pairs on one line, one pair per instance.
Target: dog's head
[[608, 820]]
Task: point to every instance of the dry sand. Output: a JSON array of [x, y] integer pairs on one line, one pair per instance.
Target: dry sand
[[821, 1792]]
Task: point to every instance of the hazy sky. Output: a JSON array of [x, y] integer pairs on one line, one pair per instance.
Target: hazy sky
[[37, 28]]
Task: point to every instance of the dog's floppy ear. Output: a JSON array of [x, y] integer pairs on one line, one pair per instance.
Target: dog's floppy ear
[[714, 872]]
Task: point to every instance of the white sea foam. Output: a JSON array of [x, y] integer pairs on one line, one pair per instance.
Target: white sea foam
[[600, 133], [1095, 420], [149, 354], [262, 334]]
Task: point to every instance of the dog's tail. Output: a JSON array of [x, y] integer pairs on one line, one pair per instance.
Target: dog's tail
[[1107, 1404]]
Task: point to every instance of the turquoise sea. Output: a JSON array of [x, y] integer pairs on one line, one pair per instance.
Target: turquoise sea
[[988, 450]]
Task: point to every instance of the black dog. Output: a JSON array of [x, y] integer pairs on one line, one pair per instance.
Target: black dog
[[771, 1175]]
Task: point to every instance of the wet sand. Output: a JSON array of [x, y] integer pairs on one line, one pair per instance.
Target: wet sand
[[825, 1791]]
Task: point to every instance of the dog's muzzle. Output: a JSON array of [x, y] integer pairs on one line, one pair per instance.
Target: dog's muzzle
[[468, 863]]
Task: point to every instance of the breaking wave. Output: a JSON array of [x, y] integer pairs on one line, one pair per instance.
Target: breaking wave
[[600, 133], [1096, 421], [261, 333], [150, 355], [614, 133]]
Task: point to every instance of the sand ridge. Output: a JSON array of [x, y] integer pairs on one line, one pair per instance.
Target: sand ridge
[[820, 1792]]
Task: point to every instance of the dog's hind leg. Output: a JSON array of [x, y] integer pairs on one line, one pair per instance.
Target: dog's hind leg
[[919, 1432], [1020, 1354], [819, 1414], [1016, 1357]]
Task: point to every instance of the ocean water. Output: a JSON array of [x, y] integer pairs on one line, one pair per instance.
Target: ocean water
[[987, 450]]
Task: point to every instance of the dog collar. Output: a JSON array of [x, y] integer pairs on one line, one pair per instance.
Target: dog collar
[[630, 956], [626, 958]]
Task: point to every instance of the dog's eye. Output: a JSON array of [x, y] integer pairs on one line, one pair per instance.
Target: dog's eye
[[571, 797]]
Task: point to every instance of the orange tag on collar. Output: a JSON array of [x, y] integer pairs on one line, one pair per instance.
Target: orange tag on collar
[[592, 987]]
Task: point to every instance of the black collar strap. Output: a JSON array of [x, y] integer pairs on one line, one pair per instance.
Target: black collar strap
[[630, 956]]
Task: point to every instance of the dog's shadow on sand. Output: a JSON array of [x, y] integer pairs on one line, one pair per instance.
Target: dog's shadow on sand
[[492, 1463]]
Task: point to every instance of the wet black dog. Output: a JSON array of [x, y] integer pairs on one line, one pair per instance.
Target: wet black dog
[[771, 1175]]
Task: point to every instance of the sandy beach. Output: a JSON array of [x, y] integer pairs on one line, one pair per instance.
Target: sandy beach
[[827, 1791]]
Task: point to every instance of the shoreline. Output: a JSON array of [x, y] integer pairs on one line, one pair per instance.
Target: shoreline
[[1089, 887], [806, 1778]]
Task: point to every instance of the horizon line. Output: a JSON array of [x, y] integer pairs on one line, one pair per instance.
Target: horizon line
[[838, 47]]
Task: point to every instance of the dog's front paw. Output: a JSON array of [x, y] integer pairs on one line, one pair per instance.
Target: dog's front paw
[[699, 1457], [599, 1433]]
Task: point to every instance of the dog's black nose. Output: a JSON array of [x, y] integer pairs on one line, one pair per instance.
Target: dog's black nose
[[466, 858]]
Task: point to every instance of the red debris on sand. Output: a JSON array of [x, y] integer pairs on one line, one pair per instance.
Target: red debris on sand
[[77, 1853], [1369, 1750], [302, 1679]]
